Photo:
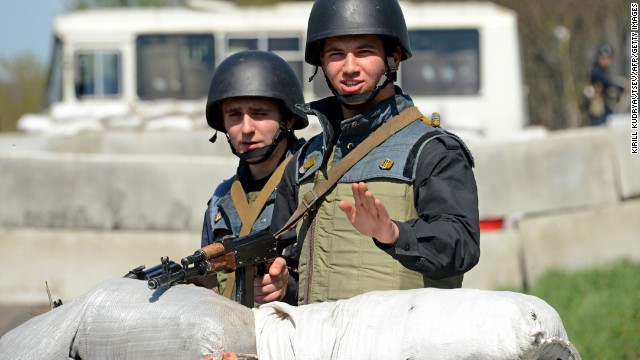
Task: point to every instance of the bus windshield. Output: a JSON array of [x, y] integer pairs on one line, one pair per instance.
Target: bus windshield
[[53, 92], [174, 66]]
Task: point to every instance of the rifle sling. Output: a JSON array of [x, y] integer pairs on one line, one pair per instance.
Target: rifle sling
[[334, 174], [249, 214]]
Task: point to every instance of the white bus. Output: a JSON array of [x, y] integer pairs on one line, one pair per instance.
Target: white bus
[[138, 67]]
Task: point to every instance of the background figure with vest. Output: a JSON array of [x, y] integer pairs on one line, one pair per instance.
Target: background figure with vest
[[602, 97], [252, 101], [405, 214]]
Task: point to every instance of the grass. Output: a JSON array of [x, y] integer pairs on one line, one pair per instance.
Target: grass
[[600, 308]]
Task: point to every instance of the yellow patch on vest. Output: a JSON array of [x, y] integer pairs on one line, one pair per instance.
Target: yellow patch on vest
[[217, 217], [434, 121], [307, 165], [386, 164]]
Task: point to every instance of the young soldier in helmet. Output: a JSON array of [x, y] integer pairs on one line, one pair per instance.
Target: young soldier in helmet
[[252, 100], [411, 202]]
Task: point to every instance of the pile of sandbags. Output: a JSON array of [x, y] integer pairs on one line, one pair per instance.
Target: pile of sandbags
[[123, 319], [415, 324]]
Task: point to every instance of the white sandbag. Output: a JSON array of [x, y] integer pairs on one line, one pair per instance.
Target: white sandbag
[[123, 319], [415, 324]]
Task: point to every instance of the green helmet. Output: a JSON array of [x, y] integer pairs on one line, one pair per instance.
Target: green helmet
[[254, 73], [330, 18]]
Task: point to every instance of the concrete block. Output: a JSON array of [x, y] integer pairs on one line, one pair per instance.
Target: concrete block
[[86, 142], [130, 142], [566, 170], [108, 192], [73, 262], [499, 267], [187, 143], [580, 239], [627, 165]]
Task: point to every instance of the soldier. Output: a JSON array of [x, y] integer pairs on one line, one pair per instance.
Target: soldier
[[251, 100], [411, 203]]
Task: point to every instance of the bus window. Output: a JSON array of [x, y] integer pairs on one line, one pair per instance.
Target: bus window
[[97, 73], [444, 62], [284, 44], [174, 66], [264, 42], [237, 45], [287, 47]]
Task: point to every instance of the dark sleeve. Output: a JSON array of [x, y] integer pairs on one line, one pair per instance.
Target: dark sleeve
[[285, 205], [600, 75], [207, 231], [445, 239]]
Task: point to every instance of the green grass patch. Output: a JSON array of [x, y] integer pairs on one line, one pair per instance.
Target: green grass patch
[[600, 308]]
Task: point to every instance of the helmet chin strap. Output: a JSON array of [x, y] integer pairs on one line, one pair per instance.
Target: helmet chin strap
[[356, 101], [262, 153]]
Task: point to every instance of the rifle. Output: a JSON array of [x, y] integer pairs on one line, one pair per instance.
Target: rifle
[[231, 253]]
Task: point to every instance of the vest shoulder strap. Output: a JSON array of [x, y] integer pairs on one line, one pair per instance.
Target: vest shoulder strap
[[249, 214], [385, 131]]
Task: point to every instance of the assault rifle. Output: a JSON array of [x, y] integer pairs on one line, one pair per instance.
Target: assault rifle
[[231, 254]]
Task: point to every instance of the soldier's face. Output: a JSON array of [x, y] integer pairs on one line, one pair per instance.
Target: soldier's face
[[605, 60], [354, 63], [251, 122]]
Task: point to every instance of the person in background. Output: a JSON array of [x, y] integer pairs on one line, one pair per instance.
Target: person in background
[[600, 98], [252, 101], [405, 215]]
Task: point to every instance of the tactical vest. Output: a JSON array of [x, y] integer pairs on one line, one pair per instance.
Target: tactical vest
[[337, 262], [224, 218], [224, 215]]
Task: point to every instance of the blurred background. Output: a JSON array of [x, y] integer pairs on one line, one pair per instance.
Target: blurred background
[[558, 41], [105, 162]]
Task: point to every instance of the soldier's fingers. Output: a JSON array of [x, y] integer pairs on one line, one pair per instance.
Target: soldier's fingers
[[346, 207], [278, 267], [382, 210], [370, 204], [357, 195]]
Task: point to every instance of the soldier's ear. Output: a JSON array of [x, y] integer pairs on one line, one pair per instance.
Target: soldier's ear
[[397, 55], [289, 124]]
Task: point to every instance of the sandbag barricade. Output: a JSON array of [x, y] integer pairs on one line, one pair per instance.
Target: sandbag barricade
[[123, 319]]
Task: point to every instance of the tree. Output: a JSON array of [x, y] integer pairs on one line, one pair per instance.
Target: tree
[[21, 88], [556, 70]]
